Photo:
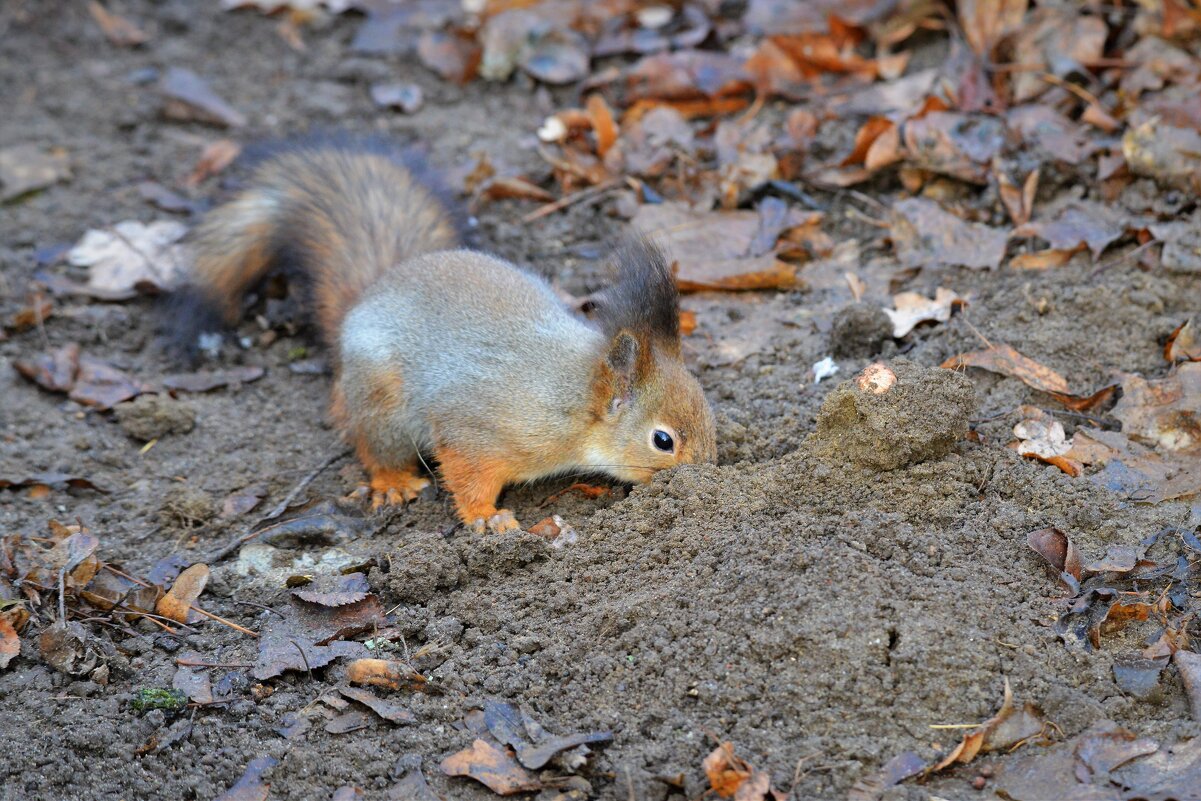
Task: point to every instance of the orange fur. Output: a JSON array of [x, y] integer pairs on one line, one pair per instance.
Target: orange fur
[[475, 481]]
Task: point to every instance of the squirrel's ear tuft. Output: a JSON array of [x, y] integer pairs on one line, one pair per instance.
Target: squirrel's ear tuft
[[644, 299], [623, 354]]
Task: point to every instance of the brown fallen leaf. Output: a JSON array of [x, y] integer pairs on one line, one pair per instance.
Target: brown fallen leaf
[[1183, 344], [1005, 360], [1054, 40], [183, 593], [284, 646], [194, 681], [452, 56], [384, 673], [341, 591], [952, 143], [1042, 437], [1019, 203], [726, 771], [687, 75], [54, 371], [1052, 133], [103, 386], [207, 380], [491, 766], [117, 29], [730, 776], [132, 257], [1165, 412], [912, 308], [1008, 729], [1170, 155], [32, 315], [1079, 224], [925, 235], [534, 746], [604, 128], [1188, 664], [1043, 259], [10, 643], [188, 97], [390, 711], [1057, 548], [710, 249], [901, 767], [351, 720], [251, 787], [986, 22], [512, 187], [244, 500], [413, 788], [30, 167], [215, 157]]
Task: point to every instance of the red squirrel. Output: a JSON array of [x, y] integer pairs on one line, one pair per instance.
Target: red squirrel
[[454, 353]]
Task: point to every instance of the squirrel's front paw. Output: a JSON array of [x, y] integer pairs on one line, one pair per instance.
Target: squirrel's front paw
[[500, 522]]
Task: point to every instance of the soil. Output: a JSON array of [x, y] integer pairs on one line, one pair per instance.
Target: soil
[[820, 615]]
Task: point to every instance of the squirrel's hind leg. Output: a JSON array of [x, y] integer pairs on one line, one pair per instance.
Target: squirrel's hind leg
[[476, 482]]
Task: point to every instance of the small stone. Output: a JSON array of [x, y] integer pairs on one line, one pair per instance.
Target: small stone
[[979, 782], [405, 97]]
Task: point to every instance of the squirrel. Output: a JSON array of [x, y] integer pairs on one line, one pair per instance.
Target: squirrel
[[450, 352]]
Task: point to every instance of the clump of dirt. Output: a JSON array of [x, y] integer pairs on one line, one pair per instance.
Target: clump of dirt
[[150, 417], [187, 507], [892, 416], [859, 330]]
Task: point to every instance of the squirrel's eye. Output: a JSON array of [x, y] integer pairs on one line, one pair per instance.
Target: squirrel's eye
[[663, 441]]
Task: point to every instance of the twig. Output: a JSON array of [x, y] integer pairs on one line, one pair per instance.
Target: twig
[[303, 657], [304, 482], [193, 607], [263, 607], [572, 199], [239, 541], [1105, 265], [201, 663]]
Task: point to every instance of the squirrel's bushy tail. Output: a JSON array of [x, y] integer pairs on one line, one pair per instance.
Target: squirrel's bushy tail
[[338, 216]]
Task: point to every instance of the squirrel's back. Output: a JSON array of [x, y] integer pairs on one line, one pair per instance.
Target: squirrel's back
[[340, 216]]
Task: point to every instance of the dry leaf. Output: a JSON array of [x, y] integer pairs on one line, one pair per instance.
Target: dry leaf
[[1019, 203], [1005, 360], [54, 371], [986, 22], [1164, 412], [1170, 155], [1188, 664], [726, 771], [207, 380], [1183, 344], [493, 767], [215, 157], [183, 593], [604, 128], [901, 767], [913, 308], [189, 98], [244, 500], [384, 673], [1053, 133], [30, 167], [1055, 40], [131, 257], [502, 188], [390, 711], [1007, 729], [952, 143], [250, 787], [117, 29], [1043, 259], [1077, 225], [711, 249], [1055, 546], [10, 643], [925, 235], [455, 58], [1042, 437]]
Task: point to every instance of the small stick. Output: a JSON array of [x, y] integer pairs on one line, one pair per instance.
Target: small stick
[[239, 541], [201, 663], [571, 200], [193, 607], [304, 482]]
